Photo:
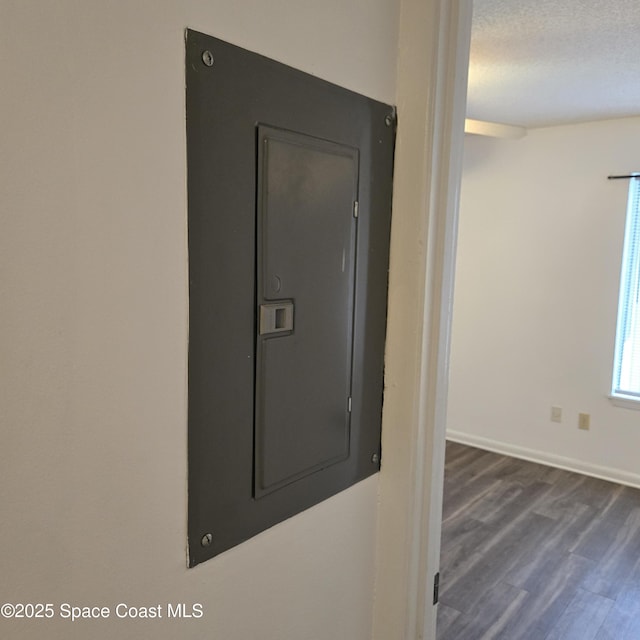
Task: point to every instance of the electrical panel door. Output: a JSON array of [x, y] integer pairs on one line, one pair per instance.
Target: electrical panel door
[[307, 189]]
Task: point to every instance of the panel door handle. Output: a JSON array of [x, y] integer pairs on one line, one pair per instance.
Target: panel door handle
[[276, 317]]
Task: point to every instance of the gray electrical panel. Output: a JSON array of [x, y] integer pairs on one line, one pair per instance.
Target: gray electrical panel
[[289, 187]]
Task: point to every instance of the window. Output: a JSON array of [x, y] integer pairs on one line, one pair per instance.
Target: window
[[626, 372]]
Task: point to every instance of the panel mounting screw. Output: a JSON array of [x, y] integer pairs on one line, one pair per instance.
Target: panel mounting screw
[[207, 539], [375, 458], [207, 58], [388, 120]]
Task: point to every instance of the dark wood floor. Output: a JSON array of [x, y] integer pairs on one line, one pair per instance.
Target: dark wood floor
[[530, 552]]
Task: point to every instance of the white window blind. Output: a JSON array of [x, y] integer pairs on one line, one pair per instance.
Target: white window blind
[[626, 373]]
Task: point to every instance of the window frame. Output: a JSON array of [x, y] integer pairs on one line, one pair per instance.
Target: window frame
[[628, 317]]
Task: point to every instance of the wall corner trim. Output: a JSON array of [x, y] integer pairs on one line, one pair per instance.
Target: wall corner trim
[[433, 58]]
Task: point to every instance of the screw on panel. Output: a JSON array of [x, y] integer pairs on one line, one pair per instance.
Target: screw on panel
[[207, 539], [388, 121], [375, 458], [207, 58]]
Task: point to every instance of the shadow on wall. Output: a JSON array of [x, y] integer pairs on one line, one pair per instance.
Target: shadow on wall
[[478, 148]]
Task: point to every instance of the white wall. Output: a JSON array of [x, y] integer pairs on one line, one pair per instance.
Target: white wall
[[540, 241], [93, 333]]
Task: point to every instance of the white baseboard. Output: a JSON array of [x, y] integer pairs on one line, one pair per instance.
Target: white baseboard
[[550, 459]]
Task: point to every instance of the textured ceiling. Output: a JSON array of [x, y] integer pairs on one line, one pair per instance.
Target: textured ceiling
[[546, 62]]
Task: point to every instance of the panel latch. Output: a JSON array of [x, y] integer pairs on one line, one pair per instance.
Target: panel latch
[[276, 317]]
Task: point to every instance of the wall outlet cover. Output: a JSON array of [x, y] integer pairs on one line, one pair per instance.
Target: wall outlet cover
[[584, 420]]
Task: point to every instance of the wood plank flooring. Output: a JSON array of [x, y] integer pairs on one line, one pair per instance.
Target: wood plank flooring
[[530, 552]]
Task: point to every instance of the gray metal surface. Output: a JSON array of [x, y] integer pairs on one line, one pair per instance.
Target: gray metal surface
[[306, 252], [251, 463]]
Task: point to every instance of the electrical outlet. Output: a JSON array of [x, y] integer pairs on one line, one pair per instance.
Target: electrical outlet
[[584, 420], [556, 414]]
